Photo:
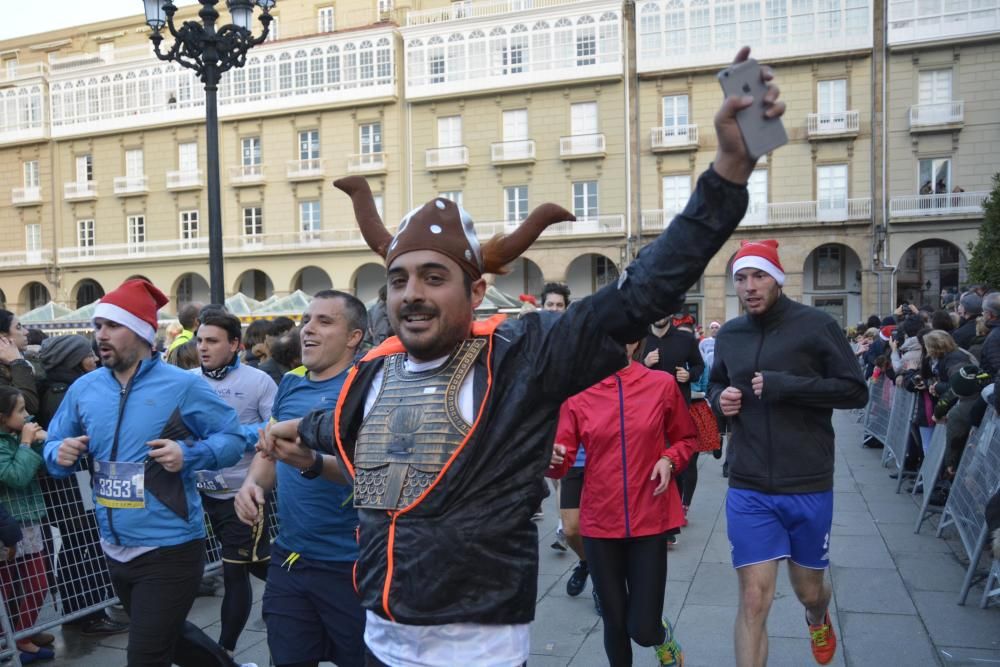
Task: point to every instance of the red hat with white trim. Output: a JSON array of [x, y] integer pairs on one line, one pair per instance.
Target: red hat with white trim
[[885, 333], [133, 305], [761, 255]]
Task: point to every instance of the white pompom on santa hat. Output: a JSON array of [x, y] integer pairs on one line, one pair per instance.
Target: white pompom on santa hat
[[133, 305], [762, 255]]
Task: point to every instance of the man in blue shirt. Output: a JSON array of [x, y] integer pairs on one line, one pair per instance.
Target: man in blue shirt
[[310, 607]]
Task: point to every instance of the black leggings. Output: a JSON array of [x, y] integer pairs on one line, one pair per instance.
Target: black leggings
[[630, 577], [238, 599], [688, 479]]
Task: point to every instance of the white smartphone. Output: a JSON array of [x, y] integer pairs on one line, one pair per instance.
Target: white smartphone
[[761, 135]]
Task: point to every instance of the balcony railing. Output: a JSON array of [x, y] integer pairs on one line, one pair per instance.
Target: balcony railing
[[25, 258], [522, 150], [599, 225], [673, 137], [310, 169], [806, 212], [26, 196], [954, 203], [943, 113], [470, 10], [131, 185], [834, 123], [80, 190], [366, 163], [286, 241], [246, 174], [581, 145], [184, 180], [450, 157], [917, 21], [657, 220], [26, 71]]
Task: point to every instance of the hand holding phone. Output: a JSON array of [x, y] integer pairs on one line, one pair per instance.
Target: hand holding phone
[[759, 121]]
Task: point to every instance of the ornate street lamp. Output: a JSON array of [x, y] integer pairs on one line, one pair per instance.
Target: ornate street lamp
[[210, 52]]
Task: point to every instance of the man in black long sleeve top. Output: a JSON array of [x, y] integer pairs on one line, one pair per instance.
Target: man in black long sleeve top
[[674, 351]]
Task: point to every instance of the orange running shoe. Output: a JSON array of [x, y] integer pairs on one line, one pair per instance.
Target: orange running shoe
[[823, 640]]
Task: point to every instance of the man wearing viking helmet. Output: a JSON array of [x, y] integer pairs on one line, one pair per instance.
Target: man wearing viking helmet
[[447, 428]]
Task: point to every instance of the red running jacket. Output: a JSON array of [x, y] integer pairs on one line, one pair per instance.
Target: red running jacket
[[626, 422]]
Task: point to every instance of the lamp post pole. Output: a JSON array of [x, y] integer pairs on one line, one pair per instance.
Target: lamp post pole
[[210, 52]]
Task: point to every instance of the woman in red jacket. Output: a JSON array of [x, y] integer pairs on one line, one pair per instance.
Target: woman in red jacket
[[638, 434]]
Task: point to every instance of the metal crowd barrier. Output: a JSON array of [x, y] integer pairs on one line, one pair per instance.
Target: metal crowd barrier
[[930, 470], [976, 480], [63, 575], [904, 405], [879, 409]]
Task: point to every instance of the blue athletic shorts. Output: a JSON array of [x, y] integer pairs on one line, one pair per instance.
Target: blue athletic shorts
[[764, 527]]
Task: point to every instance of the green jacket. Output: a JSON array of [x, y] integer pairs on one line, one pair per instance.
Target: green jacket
[[19, 489]]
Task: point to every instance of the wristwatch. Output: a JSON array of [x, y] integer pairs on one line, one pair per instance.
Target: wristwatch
[[313, 471]]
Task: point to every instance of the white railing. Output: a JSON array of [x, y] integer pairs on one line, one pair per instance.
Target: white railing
[[673, 136], [22, 196], [25, 258], [457, 11], [603, 225], [286, 241], [113, 56], [916, 21], [246, 174], [942, 113], [126, 185], [80, 190], [581, 144], [837, 122], [656, 220], [178, 180], [450, 156], [512, 151], [361, 163], [954, 203], [805, 212], [308, 169], [25, 71]]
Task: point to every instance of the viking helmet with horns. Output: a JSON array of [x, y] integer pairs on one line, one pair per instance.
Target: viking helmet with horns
[[443, 226]]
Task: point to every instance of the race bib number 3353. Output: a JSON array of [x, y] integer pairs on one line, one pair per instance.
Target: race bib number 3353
[[119, 484]]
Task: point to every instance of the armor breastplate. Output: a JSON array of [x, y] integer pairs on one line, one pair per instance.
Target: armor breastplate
[[411, 431]]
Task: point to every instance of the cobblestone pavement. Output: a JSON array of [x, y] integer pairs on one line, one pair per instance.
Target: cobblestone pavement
[[894, 601]]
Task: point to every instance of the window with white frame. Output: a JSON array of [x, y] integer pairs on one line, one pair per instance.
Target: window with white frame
[[384, 6], [676, 192], [831, 188], [11, 66], [324, 19], [757, 189], [309, 145], [515, 125], [935, 86], [136, 232], [934, 176], [253, 224], [515, 203], [187, 158], [33, 237], [583, 118], [675, 111], [272, 31], [379, 205], [370, 138], [134, 167], [449, 131], [452, 195], [310, 222], [189, 230], [586, 41], [585, 199], [831, 96], [250, 154], [31, 174], [84, 168], [85, 239]]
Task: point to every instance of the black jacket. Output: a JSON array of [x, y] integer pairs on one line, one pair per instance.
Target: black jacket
[[989, 355], [783, 441], [965, 334], [468, 553], [677, 348]]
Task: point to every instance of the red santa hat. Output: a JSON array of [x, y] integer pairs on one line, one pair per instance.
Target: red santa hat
[[885, 333], [761, 255], [133, 305]]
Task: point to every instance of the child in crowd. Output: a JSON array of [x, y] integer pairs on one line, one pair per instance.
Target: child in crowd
[[23, 577]]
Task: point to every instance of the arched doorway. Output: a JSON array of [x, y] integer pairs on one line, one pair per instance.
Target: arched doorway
[[87, 292], [831, 282], [311, 279], [34, 294], [255, 284], [524, 278], [367, 280], [588, 273], [191, 287], [931, 273]]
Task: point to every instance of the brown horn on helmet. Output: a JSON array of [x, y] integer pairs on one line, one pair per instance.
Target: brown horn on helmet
[[503, 249], [376, 235]]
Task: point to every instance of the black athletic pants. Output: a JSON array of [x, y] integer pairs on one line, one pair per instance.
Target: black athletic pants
[[630, 577], [688, 480], [157, 590]]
